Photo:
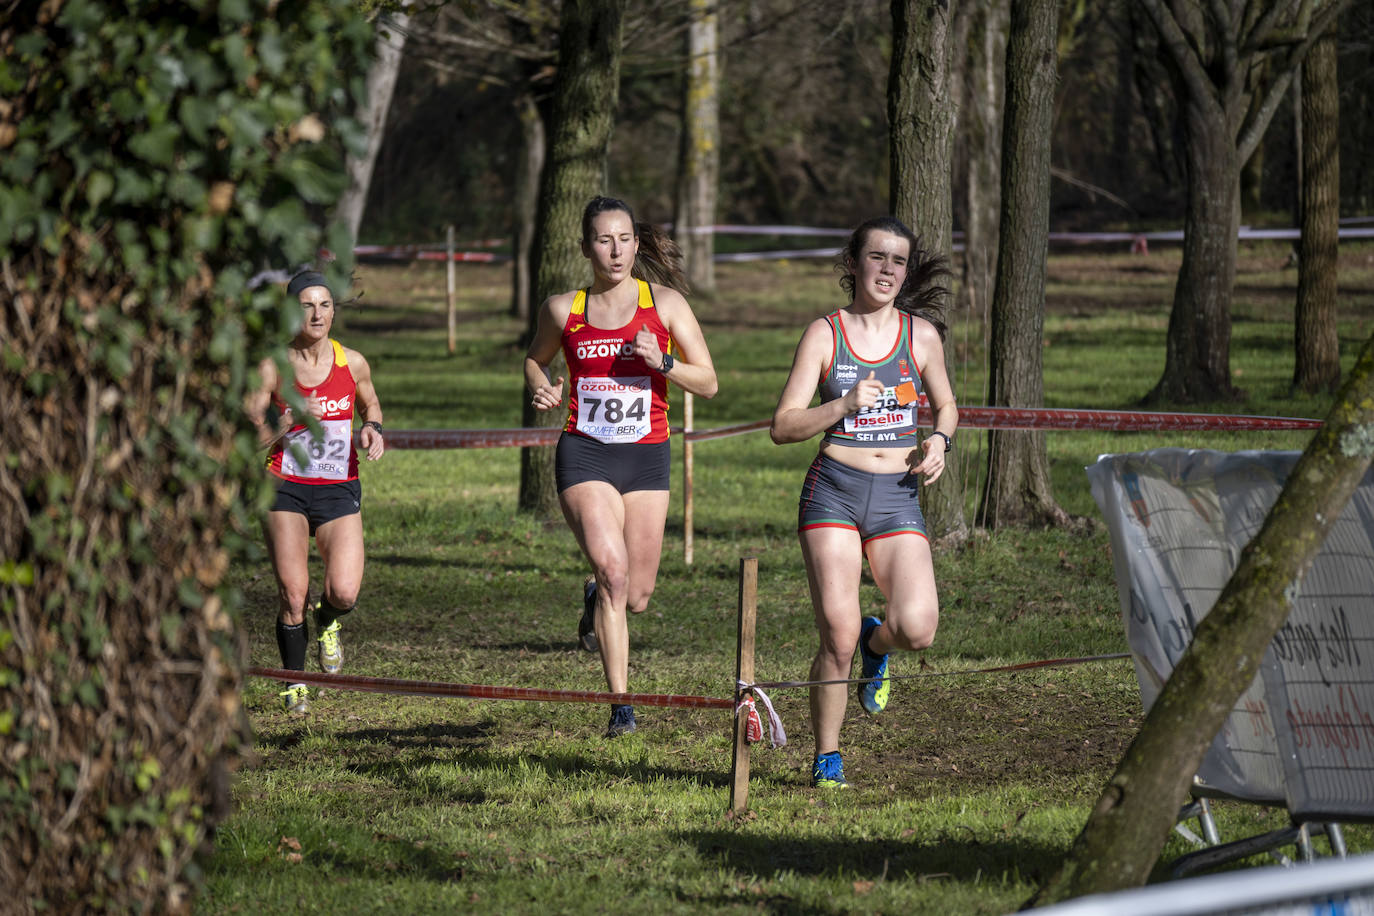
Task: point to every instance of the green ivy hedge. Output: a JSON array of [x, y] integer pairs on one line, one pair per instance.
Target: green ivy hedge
[[153, 157]]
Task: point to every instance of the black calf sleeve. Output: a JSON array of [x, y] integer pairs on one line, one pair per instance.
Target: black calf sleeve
[[327, 613], [291, 643]]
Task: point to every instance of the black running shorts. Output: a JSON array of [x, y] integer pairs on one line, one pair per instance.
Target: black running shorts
[[319, 502], [627, 466]]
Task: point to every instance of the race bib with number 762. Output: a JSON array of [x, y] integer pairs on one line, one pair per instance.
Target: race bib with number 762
[[325, 458]]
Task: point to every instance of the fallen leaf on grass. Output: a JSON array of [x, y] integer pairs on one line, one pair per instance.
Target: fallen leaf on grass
[[863, 887], [289, 847]]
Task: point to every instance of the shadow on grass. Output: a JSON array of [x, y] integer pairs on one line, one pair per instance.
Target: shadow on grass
[[920, 858], [401, 771]]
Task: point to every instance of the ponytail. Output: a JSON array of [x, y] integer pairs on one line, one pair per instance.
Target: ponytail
[[659, 259]]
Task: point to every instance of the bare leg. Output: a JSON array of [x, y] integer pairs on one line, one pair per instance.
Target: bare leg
[[595, 511], [834, 562], [341, 549], [903, 569], [288, 544]]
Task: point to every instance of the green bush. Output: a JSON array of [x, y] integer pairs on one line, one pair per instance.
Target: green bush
[[153, 156]]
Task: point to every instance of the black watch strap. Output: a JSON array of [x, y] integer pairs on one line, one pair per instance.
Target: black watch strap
[[668, 363], [374, 424], [949, 443]]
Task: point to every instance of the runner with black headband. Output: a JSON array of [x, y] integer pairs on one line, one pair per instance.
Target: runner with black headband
[[319, 494]]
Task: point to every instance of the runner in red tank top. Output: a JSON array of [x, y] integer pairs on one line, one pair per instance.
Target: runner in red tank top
[[319, 494], [624, 339]]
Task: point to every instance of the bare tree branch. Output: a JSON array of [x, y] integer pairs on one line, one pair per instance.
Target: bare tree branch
[[1252, 128]]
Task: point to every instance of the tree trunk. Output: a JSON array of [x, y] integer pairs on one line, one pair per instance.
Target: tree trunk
[[1197, 364], [381, 83], [1318, 364], [1122, 839], [526, 202], [920, 108], [1018, 489], [1228, 79], [585, 96], [982, 119], [699, 170]]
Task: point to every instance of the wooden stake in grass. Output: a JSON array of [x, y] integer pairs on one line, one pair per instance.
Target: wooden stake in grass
[[744, 673], [452, 293], [688, 542]]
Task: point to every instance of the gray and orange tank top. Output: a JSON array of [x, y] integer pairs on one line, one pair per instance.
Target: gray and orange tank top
[[615, 396], [889, 423]]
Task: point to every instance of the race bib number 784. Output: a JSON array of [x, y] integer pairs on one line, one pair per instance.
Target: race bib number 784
[[614, 409]]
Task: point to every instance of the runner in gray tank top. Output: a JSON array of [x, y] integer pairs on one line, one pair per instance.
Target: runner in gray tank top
[[872, 363]]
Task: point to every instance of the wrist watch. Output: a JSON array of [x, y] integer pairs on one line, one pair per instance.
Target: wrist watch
[[378, 427], [949, 443], [668, 363]]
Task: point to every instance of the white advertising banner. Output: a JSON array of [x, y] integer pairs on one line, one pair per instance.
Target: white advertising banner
[[1302, 734]]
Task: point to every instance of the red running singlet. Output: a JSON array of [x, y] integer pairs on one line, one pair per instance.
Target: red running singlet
[[330, 458], [615, 396]]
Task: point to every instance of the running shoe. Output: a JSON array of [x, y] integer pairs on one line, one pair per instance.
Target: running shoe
[[873, 693], [622, 721], [586, 627], [827, 772], [331, 652], [296, 699]]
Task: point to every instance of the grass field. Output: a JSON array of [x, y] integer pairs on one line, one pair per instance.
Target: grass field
[[966, 793]]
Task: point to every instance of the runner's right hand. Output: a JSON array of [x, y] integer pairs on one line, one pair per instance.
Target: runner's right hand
[[864, 394], [548, 396]]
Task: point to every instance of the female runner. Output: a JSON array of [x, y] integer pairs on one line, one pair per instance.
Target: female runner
[[319, 494], [624, 338], [872, 361]]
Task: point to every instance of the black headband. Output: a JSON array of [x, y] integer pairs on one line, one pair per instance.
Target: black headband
[[306, 279]]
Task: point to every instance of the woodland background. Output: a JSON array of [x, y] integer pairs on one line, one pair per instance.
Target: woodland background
[[803, 119]]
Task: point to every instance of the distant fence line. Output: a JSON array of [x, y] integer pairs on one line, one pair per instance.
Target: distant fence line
[[1352, 228]]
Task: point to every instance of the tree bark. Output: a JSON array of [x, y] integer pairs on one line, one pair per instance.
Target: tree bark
[[1197, 362], [1318, 362], [585, 96], [920, 108], [699, 171], [1122, 839], [982, 123], [526, 202], [1018, 489], [381, 83]]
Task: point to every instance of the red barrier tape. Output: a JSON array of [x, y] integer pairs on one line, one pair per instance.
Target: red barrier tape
[[969, 418], [483, 692], [1113, 420]]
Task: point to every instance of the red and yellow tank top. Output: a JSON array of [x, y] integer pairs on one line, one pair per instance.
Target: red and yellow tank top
[[302, 457], [891, 421], [615, 396]]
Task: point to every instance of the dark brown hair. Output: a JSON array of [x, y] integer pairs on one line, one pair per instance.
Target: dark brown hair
[[922, 293], [659, 259]]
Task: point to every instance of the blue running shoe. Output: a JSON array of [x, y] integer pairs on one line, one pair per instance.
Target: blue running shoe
[[586, 627], [827, 772], [622, 721], [873, 694]]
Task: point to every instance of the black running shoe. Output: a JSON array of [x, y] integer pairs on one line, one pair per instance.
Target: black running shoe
[[622, 721], [586, 627]]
